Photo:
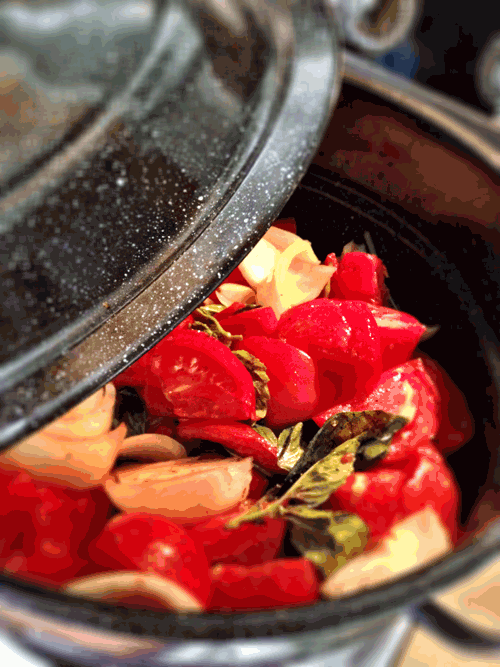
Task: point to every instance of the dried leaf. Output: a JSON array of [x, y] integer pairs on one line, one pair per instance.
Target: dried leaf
[[266, 433], [338, 429], [353, 247], [290, 446], [328, 539], [204, 320], [260, 380]]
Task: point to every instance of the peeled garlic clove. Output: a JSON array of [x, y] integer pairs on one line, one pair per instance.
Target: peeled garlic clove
[[414, 542], [152, 447], [229, 293], [90, 418], [118, 586], [298, 277], [259, 264], [186, 488], [79, 463]]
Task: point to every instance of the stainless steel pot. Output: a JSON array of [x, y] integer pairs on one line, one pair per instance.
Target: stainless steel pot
[[274, 135]]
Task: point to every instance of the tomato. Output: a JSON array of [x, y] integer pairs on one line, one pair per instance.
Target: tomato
[[147, 542], [342, 335], [293, 383], [45, 528], [249, 544], [255, 322], [406, 385], [201, 378], [285, 582], [456, 424], [388, 493], [399, 335], [239, 438], [359, 276]]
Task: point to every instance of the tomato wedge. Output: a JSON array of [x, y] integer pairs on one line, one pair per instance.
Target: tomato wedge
[[152, 543], [255, 322], [293, 383], [343, 333], [201, 378], [250, 544], [406, 386], [239, 438], [359, 276], [399, 335]]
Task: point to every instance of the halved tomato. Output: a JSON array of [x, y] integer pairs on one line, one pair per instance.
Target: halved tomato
[[202, 379], [293, 383]]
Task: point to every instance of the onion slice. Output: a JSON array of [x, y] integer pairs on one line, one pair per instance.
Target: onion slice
[[118, 586], [90, 418], [186, 488], [79, 463]]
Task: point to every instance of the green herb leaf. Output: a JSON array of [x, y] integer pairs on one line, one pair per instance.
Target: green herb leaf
[[322, 479], [338, 429], [328, 539], [266, 433], [260, 380], [204, 320], [290, 446]]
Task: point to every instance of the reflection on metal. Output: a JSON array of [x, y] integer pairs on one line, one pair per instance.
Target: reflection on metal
[[376, 27], [476, 130]]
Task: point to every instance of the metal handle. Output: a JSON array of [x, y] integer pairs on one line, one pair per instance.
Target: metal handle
[[373, 29], [477, 131]]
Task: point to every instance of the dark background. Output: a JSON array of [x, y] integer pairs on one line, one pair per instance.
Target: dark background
[[448, 41]]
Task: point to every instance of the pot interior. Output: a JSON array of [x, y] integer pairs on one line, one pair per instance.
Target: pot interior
[[440, 273]]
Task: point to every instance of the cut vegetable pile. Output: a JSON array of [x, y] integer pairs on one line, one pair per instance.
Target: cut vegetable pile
[[284, 444]]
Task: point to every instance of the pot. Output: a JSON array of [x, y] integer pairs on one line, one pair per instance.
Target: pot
[[442, 268]]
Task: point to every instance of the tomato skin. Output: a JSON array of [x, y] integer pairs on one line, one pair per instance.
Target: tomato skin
[[293, 383], [152, 543], [250, 544], [255, 322], [399, 335], [359, 276], [284, 582], [202, 378], [456, 425], [343, 333], [239, 438]]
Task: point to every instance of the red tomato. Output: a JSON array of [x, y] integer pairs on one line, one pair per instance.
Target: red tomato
[[375, 496], [45, 528], [293, 383], [255, 322], [239, 438], [250, 544], [388, 493], [359, 276], [399, 335], [456, 425], [286, 582], [390, 395], [343, 333], [201, 378], [147, 542]]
